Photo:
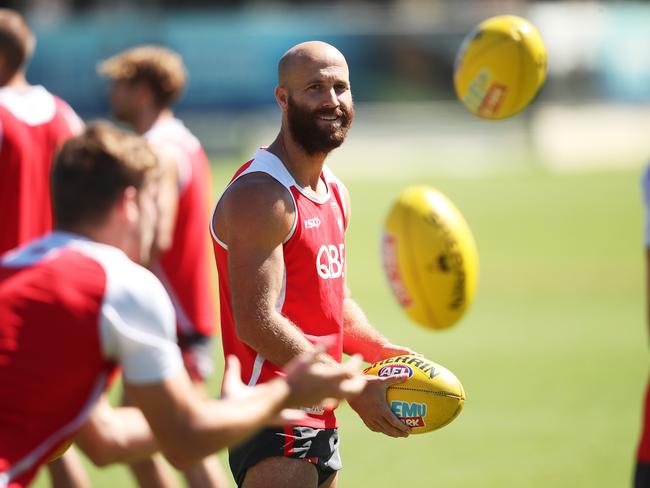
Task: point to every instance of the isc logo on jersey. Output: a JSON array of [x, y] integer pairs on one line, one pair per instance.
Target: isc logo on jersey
[[312, 223], [330, 261]]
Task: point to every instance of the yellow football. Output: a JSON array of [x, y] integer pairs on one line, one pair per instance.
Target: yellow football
[[430, 257], [430, 398], [500, 67]]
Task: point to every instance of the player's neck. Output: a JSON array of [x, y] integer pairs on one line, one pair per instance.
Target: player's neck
[[146, 119], [109, 232], [304, 168], [17, 81]]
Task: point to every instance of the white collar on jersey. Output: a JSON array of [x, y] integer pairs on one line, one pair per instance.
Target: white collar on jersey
[[33, 105], [262, 154]]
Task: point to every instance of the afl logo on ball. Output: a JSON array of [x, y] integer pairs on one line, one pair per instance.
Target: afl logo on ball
[[394, 370]]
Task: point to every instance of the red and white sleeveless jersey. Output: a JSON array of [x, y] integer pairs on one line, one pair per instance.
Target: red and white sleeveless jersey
[[70, 311], [313, 281], [33, 125], [184, 268]]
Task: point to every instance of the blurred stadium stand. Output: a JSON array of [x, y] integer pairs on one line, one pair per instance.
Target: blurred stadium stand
[[401, 53]]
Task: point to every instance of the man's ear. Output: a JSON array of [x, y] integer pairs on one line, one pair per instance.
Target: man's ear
[[282, 97], [127, 205]]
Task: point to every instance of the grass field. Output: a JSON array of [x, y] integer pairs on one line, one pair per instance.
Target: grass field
[[553, 353]]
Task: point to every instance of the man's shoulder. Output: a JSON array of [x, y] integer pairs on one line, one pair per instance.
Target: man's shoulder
[[173, 134], [259, 189], [256, 205]]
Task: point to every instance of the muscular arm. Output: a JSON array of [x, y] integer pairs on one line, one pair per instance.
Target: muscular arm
[[253, 218], [360, 337], [115, 435], [189, 428]]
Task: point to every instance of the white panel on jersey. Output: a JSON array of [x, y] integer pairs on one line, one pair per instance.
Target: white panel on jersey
[[263, 162], [137, 323], [645, 186], [33, 105], [257, 369], [177, 143], [43, 249]]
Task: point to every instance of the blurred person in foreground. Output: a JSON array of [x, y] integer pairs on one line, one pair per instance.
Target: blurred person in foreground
[[279, 241], [74, 305], [145, 83], [33, 126], [642, 468]]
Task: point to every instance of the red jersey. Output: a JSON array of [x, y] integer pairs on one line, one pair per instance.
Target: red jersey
[[33, 125], [184, 268], [70, 310], [313, 281]]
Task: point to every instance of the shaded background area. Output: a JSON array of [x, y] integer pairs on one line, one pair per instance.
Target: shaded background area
[[591, 110], [553, 354]]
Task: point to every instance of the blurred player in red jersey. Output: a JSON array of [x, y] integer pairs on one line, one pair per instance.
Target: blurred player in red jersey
[[146, 82], [78, 287], [279, 241], [642, 469], [33, 125]]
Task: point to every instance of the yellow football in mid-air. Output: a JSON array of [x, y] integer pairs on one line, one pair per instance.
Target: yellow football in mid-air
[[500, 67], [430, 398], [430, 257]]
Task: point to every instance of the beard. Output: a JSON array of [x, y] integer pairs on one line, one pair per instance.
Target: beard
[[306, 131]]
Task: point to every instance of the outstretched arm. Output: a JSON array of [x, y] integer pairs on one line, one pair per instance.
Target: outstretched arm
[[115, 435], [360, 337], [188, 428]]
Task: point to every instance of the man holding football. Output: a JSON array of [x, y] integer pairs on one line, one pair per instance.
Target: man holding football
[[279, 240]]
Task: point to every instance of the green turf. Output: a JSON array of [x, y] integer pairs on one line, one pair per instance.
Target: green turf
[[553, 353]]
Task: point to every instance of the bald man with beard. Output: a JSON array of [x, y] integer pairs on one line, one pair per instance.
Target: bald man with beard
[[279, 241]]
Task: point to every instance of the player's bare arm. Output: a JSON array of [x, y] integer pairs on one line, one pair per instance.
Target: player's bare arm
[[360, 337], [253, 218], [189, 429], [115, 435]]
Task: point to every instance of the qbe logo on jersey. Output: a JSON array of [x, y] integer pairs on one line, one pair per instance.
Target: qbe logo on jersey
[[330, 261]]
